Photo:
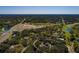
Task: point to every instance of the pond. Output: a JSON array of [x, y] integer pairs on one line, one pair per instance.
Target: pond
[[68, 29], [6, 28]]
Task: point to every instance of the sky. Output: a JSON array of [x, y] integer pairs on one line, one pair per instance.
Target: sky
[[39, 9]]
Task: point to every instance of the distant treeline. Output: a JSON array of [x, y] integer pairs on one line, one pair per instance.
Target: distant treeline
[[40, 18]]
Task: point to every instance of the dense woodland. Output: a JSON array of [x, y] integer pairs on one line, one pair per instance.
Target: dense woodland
[[49, 39]]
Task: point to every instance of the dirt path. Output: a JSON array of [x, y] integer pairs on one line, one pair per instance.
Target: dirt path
[[71, 48], [18, 27]]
